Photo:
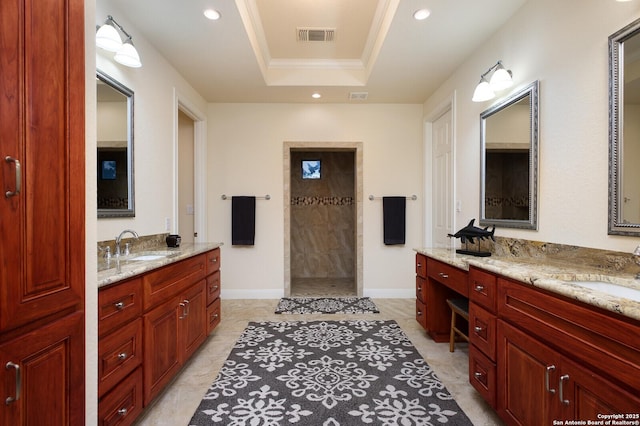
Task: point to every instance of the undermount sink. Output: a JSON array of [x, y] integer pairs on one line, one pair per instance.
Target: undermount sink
[[148, 257], [153, 255], [611, 289]]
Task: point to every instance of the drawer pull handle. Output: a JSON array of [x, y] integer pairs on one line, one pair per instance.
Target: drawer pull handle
[[119, 305], [477, 375], [443, 275], [419, 265], [122, 412], [479, 287], [477, 329], [122, 356], [214, 260], [549, 369], [215, 316], [18, 187], [419, 313], [184, 311], [11, 399], [561, 386], [214, 288]]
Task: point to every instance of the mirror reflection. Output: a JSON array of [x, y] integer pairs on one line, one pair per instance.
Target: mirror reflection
[[115, 148], [624, 131], [509, 159]]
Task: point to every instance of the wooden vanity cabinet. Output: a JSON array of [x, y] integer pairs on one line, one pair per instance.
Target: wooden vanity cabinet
[[539, 385], [148, 327], [214, 313], [120, 353], [444, 281], [42, 212], [482, 333], [421, 290], [561, 359], [174, 329]]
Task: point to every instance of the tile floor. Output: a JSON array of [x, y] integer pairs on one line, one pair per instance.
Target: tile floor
[[177, 404]]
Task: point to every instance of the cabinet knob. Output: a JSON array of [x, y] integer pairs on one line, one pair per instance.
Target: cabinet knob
[[479, 287], [119, 305], [122, 412], [122, 356], [477, 374], [419, 265], [443, 275], [477, 329], [214, 260], [419, 313]]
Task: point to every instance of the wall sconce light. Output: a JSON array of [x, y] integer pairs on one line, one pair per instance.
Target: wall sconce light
[[108, 38], [501, 79]]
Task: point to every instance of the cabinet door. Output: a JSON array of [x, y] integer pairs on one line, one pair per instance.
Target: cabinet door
[[161, 353], [193, 325], [41, 148], [43, 372], [527, 378], [585, 394]]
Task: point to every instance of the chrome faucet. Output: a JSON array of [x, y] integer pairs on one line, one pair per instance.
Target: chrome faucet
[[119, 238]]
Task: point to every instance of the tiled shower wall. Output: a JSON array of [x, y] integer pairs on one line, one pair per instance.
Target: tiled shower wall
[[323, 214]]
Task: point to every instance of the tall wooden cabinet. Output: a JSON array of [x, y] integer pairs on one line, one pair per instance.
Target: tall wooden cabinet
[[42, 212]]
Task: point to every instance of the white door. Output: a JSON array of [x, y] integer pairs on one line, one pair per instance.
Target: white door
[[442, 180]]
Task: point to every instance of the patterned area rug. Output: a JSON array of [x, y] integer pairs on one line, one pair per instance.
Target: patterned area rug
[[326, 305], [328, 373]]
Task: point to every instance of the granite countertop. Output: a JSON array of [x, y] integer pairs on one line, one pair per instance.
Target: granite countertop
[[555, 276], [108, 271]]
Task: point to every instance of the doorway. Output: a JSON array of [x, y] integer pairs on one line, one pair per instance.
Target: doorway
[[186, 211], [323, 226]]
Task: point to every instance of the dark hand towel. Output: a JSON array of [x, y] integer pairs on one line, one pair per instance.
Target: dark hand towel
[[243, 221], [393, 212]]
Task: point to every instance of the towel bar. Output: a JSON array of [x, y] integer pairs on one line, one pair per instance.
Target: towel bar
[[266, 197], [413, 197]]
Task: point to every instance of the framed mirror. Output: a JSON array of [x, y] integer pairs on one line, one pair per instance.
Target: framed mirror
[[115, 148], [624, 131], [509, 161]]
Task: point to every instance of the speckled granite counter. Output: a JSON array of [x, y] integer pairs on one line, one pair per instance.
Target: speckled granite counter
[[108, 269], [555, 276]]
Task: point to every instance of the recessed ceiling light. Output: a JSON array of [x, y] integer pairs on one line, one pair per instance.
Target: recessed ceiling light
[[316, 95], [212, 14], [421, 14]]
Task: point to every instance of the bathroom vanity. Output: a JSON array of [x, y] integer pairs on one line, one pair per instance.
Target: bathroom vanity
[[152, 316], [542, 346]]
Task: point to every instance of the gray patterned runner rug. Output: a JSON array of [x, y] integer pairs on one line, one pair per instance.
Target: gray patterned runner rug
[[326, 305], [328, 373]]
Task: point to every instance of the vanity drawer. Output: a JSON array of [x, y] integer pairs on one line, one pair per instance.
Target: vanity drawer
[[118, 304], [421, 314], [452, 277], [213, 261], [123, 404], [482, 330], [213, 315], [421, 289], [213, 287], [482, 375], [421, 265], [160, 285], [119, 353], [482, 288]]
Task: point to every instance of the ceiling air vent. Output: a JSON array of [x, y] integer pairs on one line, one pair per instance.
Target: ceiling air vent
[[358, 96], [316, 34]]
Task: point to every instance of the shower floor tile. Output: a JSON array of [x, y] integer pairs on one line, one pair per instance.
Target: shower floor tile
[[323, 287]]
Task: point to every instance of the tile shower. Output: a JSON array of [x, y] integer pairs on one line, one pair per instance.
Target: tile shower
[[323, 219]]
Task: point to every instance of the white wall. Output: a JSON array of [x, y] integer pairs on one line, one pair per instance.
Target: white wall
[[154, 111], [245, 157], [564, 44]]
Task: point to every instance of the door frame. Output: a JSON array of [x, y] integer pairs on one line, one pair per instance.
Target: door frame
[[322, 146], [182, 103], [448, 104]]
